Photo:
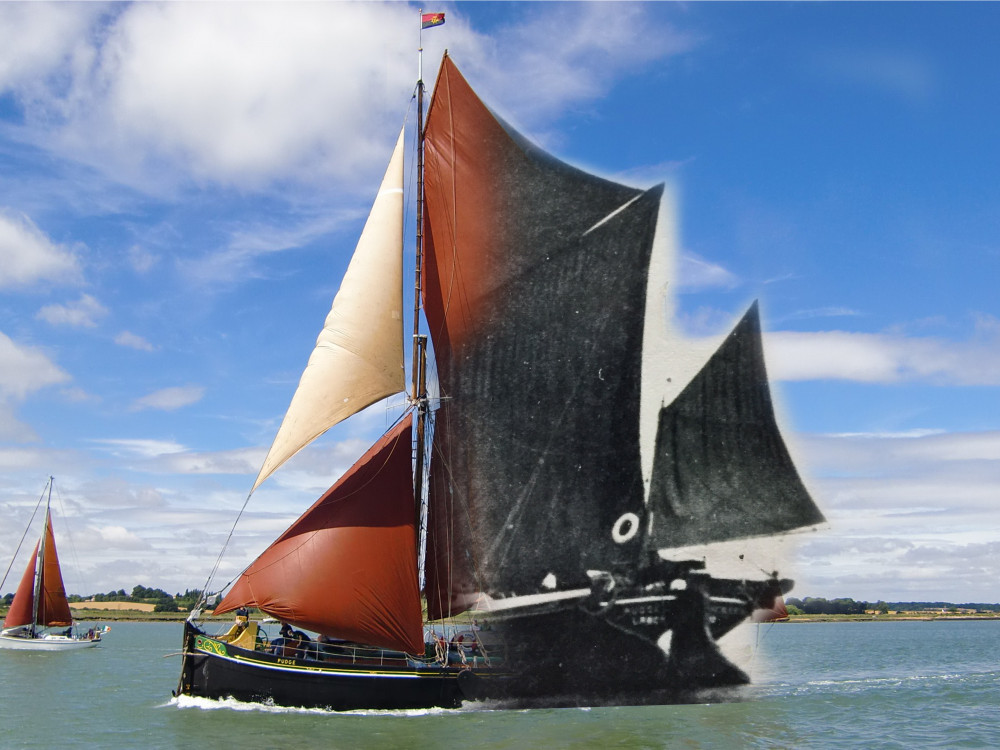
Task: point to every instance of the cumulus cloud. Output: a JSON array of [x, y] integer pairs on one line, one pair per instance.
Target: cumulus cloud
[[143, 89], [38, 38], [84, 313], [29, 256], [169, 399], [159, 84], [25, 369]]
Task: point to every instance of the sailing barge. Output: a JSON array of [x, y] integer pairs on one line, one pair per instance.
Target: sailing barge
[[533, 281]]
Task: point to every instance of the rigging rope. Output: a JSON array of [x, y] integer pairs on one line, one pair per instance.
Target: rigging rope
[[203, 598], [75, 567], [24, 535]]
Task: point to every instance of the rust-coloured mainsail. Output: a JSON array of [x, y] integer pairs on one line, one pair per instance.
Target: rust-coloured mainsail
[[534, 292], [52, 606], [348, 566]]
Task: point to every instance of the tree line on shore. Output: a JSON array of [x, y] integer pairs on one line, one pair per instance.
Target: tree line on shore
[[162, 601], [820, 606], [165, 602]]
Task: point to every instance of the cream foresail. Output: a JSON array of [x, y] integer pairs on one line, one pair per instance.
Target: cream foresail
[[358, 358]]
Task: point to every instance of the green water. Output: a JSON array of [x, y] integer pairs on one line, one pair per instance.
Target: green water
[[819, 685]]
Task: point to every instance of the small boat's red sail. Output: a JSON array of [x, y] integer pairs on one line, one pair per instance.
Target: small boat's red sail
[[347, 567], [53, 607]]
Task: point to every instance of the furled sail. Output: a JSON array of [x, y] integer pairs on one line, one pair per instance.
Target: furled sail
[[348, 566], [534, 291], [52, 606], [358, 358], [721, 469]]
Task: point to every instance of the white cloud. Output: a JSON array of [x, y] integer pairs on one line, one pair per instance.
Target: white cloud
[[172, 83], [139, 447], [142, 90], [571, 53], [84, 313], [133, 341], [111, 537], [911, 506], [29, 256], [169, 399], [243, 461], [881, 358], [25, 369], [38, 38], [248, 243]]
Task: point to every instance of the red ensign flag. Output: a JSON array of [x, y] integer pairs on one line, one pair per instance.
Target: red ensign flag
[[431, 19]]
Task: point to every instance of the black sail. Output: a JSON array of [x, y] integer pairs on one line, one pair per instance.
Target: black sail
[[536, 313], [721, 469]]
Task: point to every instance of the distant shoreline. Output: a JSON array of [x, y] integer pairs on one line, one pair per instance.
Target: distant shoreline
[[107, 615], [179, 617], [911, 617], [95, 615]]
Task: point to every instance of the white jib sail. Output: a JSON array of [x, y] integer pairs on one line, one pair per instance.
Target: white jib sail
[[358, 357]]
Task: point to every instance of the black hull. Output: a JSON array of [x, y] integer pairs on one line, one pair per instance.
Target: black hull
[[213, 669], [593, 650], [602, 650]]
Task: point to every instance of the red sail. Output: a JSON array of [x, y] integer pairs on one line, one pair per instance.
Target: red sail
[[53, 609], [24, 598], [348, 566], [463, 142]]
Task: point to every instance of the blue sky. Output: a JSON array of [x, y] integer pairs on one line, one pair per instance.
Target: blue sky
[[181, 186]]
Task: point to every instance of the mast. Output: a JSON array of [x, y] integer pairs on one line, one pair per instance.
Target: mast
[[40, 563], [419, 378]]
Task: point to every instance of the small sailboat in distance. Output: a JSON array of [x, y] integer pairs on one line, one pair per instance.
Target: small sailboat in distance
[[39, 618]]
